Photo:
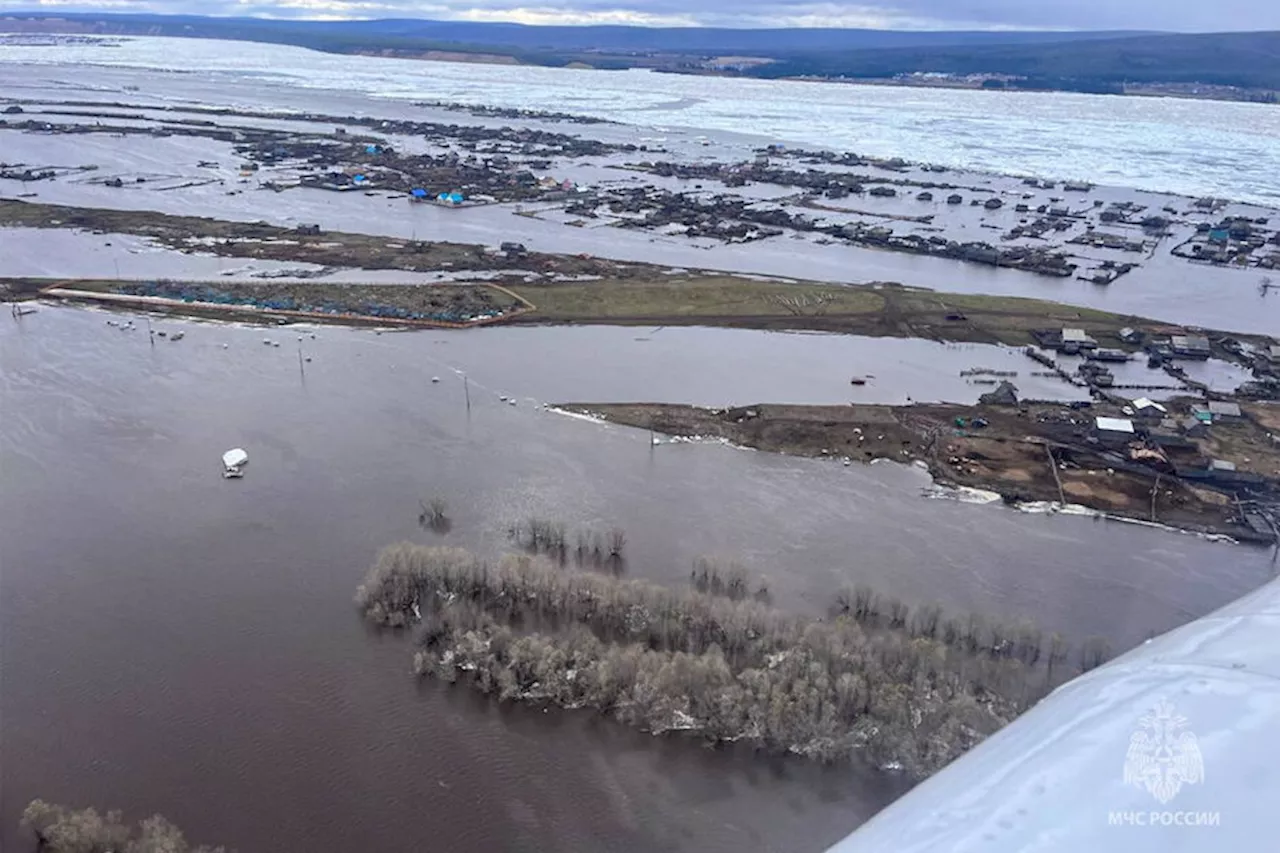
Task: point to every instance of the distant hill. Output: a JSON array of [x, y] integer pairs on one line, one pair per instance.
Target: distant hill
[[1085, 61], [410, 32], [1248, 60]]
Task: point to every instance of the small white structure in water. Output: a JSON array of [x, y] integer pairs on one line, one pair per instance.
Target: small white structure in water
[[233, 462]]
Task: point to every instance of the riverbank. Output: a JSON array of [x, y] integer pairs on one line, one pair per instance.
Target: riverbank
[[1036, 453]]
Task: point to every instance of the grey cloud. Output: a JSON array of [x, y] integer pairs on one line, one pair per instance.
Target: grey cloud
[[1175, 15]]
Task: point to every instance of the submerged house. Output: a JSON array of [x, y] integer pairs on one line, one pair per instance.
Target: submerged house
[[451, 199]]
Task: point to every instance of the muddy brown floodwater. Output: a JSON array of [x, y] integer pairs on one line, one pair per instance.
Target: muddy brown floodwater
[[171, 641]]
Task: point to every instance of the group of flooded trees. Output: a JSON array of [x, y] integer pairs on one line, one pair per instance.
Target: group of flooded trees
[[552, 539], [59, 829], [1021, 640], [726, 667]]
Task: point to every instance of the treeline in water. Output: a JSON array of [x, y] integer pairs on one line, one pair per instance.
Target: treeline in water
[[671, 659], [585, 547], [59, 829], [1020, 640]]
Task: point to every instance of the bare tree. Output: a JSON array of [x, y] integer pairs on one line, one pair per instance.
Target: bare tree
[[1094, 652], [925, 621], [617, 541], [897, 613], [434, 515]]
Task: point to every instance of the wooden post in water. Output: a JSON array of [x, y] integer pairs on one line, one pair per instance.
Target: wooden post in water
[[301, 367], [1053, 466], [466, 388], [1155, 490]]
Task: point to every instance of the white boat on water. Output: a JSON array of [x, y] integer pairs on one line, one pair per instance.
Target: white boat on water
[[233, 462]]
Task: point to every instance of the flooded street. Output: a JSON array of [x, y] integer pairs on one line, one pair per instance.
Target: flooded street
[[180, 643]]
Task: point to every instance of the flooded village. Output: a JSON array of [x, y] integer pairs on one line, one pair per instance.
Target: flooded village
[[869, 391], [1225, 466]]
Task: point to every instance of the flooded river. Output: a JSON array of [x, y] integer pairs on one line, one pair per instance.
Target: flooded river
[[180, 643]]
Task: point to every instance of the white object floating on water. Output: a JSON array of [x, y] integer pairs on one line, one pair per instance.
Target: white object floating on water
[[233, 462], [435, 379], [511, 402], [657, 440], [502, 397], [224, 346], [176, 336], [235, 457]]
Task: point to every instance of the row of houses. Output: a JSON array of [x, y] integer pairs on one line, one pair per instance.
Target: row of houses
[[1152, 436], [1076, 341]]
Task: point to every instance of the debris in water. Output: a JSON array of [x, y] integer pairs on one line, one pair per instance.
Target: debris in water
[[176, 336], [266, 342], [233, 462], [435, 379]]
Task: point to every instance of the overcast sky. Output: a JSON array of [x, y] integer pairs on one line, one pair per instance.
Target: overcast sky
[[1183, 15]]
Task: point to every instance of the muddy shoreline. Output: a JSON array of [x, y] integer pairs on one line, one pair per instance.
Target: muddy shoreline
[[1006, 450]]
